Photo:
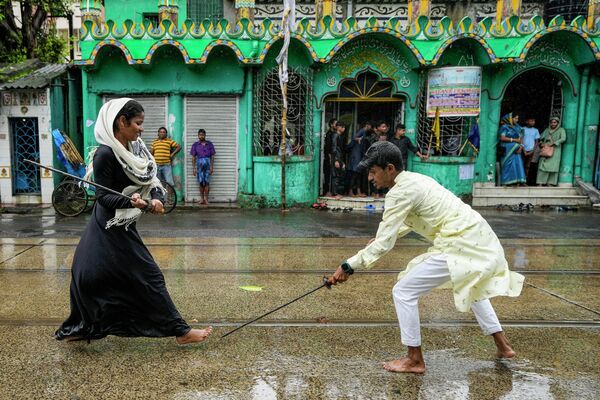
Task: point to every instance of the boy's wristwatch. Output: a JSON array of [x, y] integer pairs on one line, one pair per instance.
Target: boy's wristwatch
[[347, 268]]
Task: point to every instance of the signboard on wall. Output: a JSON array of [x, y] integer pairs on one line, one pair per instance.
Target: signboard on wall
[[455, 91]]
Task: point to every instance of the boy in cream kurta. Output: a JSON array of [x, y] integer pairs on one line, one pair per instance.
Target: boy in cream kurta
[[466, 255]]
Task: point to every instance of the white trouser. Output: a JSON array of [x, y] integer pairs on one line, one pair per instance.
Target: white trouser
[[421, 279]]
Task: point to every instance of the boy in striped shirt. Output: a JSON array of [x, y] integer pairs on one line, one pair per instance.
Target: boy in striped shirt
[[164, 149]]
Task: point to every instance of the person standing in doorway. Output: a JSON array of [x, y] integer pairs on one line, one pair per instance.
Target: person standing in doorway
[[356, 152], [404, 144], [338, 166], [203, 160], [552, 140], [531, 136], [327, 157], [511, 163], [381, 133], [164, 150]]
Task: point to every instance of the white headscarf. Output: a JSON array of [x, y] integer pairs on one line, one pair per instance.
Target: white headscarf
[[137, 162]]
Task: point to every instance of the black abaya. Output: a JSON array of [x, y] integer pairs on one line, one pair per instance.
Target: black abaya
[[116, 287]]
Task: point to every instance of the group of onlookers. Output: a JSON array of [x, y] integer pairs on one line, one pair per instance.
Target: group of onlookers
[[525, 156], [342, 155], [203, 153]]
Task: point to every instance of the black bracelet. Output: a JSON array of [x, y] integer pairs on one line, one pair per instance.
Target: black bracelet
[[347, 268]]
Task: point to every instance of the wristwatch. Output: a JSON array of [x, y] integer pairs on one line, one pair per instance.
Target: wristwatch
[[347, 268]]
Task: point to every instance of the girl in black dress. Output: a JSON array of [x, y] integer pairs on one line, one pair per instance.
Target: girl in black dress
[[117, 288]]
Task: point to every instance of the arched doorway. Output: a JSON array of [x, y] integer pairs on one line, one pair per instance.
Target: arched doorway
[[538, 94], [365, 98]]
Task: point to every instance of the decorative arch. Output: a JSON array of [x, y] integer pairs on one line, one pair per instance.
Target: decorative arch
[[565, 77], [553, 29], [310, 49], [369, 31], [465, 36], [105, 43], [167, 42], [226, 43], [355, 77]]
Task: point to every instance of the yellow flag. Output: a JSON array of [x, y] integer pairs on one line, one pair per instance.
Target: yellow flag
[[436, 129]]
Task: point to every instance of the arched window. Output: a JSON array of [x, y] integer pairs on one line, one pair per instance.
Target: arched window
[[366, 86], [268, 106]]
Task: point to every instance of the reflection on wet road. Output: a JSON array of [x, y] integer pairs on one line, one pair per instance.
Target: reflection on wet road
[[328, 346]]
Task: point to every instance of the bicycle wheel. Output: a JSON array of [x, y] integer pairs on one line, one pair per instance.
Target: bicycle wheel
[[69, 199], [170, 197]]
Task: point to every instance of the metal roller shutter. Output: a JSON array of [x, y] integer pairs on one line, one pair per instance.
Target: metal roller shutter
[[155, 114], [219, 117]]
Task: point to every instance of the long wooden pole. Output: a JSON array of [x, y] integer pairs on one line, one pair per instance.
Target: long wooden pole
[[283, 149]]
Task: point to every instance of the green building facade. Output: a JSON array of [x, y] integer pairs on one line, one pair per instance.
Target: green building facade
[[221, 76]]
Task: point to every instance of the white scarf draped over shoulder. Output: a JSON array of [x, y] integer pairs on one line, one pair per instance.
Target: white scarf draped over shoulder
[[137, 162]]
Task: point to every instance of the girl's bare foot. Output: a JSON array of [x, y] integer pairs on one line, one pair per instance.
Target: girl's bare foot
[[406, 365], [194, 336], [505, 350]]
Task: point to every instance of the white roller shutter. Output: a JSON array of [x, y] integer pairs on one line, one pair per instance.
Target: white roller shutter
[[219, 117], [155, 114]]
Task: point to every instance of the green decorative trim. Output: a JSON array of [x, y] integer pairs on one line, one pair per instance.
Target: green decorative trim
[[427, 40]]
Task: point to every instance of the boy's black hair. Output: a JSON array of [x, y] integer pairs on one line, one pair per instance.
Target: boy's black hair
[[341, 124], [380, 122], [162, 127], [381, 154], [400, 126], [201, 131], [331, 121]]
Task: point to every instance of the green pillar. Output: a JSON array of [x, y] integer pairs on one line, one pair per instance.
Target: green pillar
[[581, 129], [316, 132], [590, 130], [410, 122], [58, 108], [74, 106], [91, 106], [489, 117], [570, 124], [246, 173], [176, 129]]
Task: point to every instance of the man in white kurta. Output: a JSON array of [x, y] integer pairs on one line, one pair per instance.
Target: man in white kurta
[[466, 255]]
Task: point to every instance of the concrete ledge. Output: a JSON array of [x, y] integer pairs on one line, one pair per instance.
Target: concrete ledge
[[357, 203]]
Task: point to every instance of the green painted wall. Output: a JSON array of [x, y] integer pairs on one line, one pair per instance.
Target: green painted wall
[[563, 53], [300, 170], [299, 175]]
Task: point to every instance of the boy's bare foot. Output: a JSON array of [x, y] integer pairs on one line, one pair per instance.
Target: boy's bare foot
[[406, 365], [505, 350], [194, 336]]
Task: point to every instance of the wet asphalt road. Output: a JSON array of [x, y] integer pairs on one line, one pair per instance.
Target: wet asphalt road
[[327, 346], [584, 223]]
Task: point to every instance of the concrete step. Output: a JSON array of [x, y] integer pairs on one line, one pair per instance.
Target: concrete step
[[356, 203], [548, 200], [525, 191], [486, 195]]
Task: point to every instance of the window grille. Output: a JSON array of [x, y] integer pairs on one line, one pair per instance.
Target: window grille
[[199, 10], [453, 130], [268, 106], [152, 17]]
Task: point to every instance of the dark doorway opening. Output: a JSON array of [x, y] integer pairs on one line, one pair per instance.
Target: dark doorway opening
[[536, 93]]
